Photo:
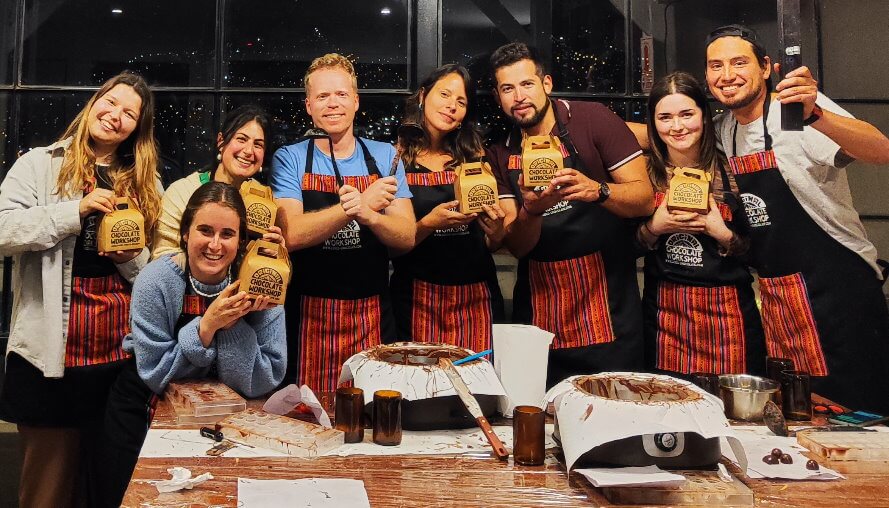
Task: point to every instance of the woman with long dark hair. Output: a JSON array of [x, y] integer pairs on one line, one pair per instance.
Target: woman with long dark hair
[[192, 320], [239, 154], [72, 302], [699, 309], [445, 289]]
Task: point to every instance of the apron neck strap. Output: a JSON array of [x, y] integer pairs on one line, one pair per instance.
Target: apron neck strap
[[310, 157], [369, 161], [767, 138], [565, 137]]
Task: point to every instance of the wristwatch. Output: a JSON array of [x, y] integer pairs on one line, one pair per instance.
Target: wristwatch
[[604, 193], [816, 115]]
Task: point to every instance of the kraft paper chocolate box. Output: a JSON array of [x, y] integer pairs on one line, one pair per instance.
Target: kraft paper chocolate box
[[122, 229], [265, 271], [261, 207], [541, 159], [475, 186], [689, 190]]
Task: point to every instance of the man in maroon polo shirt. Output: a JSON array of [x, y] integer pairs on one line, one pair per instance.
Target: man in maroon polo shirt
[[577, 269]]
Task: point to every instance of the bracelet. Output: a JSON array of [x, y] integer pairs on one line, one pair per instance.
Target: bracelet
[[528, 212], [648, 229]]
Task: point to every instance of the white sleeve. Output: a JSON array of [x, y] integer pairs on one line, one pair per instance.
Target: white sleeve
[[818, 147]]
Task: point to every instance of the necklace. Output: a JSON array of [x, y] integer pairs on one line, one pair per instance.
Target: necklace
[[225, 282]]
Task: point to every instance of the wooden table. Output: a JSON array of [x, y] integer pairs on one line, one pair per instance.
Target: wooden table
[[452, 481]]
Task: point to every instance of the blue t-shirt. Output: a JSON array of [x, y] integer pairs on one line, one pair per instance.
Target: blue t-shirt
[[289, 166]]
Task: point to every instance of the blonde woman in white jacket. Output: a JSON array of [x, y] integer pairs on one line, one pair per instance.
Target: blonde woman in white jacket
[[71, 302]]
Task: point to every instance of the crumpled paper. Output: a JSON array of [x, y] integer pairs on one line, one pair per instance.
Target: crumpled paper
[[587, 421], [286, 399], [181, 480]]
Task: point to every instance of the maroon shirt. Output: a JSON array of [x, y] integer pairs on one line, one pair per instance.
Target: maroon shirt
[[602, 139]]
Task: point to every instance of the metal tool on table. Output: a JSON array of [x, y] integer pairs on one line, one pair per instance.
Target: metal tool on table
[[473, 407], [223, 444], [774, 420], [790, 58]]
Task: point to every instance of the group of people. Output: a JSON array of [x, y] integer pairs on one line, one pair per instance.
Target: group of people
[[97, 336]]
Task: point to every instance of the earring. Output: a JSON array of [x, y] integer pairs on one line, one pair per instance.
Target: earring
[[420, 106], [219, 156], [459, 125]]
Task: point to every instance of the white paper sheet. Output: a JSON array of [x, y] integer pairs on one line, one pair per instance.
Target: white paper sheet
[[758, 442], [187, 443], [304, 493], [647, 476]]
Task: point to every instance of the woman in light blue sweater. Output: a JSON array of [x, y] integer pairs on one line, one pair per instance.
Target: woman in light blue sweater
[[190, 320]]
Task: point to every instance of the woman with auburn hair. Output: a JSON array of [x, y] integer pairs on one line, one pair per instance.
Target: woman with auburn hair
[[445, 289], [698, 306], [72, 302]]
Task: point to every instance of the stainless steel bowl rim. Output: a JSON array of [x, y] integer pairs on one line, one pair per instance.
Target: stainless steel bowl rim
[[766, 385]]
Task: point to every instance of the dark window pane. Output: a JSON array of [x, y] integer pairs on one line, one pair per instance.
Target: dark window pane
[[582, 42], [490, 118], [43, 116], [7, 154], [469, 35], [377, 118], [184, 128], [183, 125], [588, 47], [272, 46], [7, 40], [84, 42]]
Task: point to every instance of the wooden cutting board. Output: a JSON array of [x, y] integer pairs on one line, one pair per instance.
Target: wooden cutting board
[[293, 437], [702, 488], [849, 452]]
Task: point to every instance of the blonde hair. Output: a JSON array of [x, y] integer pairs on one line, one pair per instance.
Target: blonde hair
[[134, 170], [331, 61]]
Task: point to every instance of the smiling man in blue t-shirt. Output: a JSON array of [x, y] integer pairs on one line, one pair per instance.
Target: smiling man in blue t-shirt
[[339, 215]]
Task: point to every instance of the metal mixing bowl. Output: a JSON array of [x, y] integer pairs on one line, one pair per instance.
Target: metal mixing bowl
[[745, 396]]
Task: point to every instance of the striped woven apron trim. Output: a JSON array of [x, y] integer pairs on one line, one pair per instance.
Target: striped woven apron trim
[[458, 315], [330, 332], [570, 299], [700, 329], [789, 324], [431, 179], [759, 161], [327, 183], [98, 320]]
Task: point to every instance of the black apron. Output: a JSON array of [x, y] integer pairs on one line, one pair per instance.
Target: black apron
[[131, 407], [822, 304], [445, 289], [579, 282], [699, 307], [338, 302]]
